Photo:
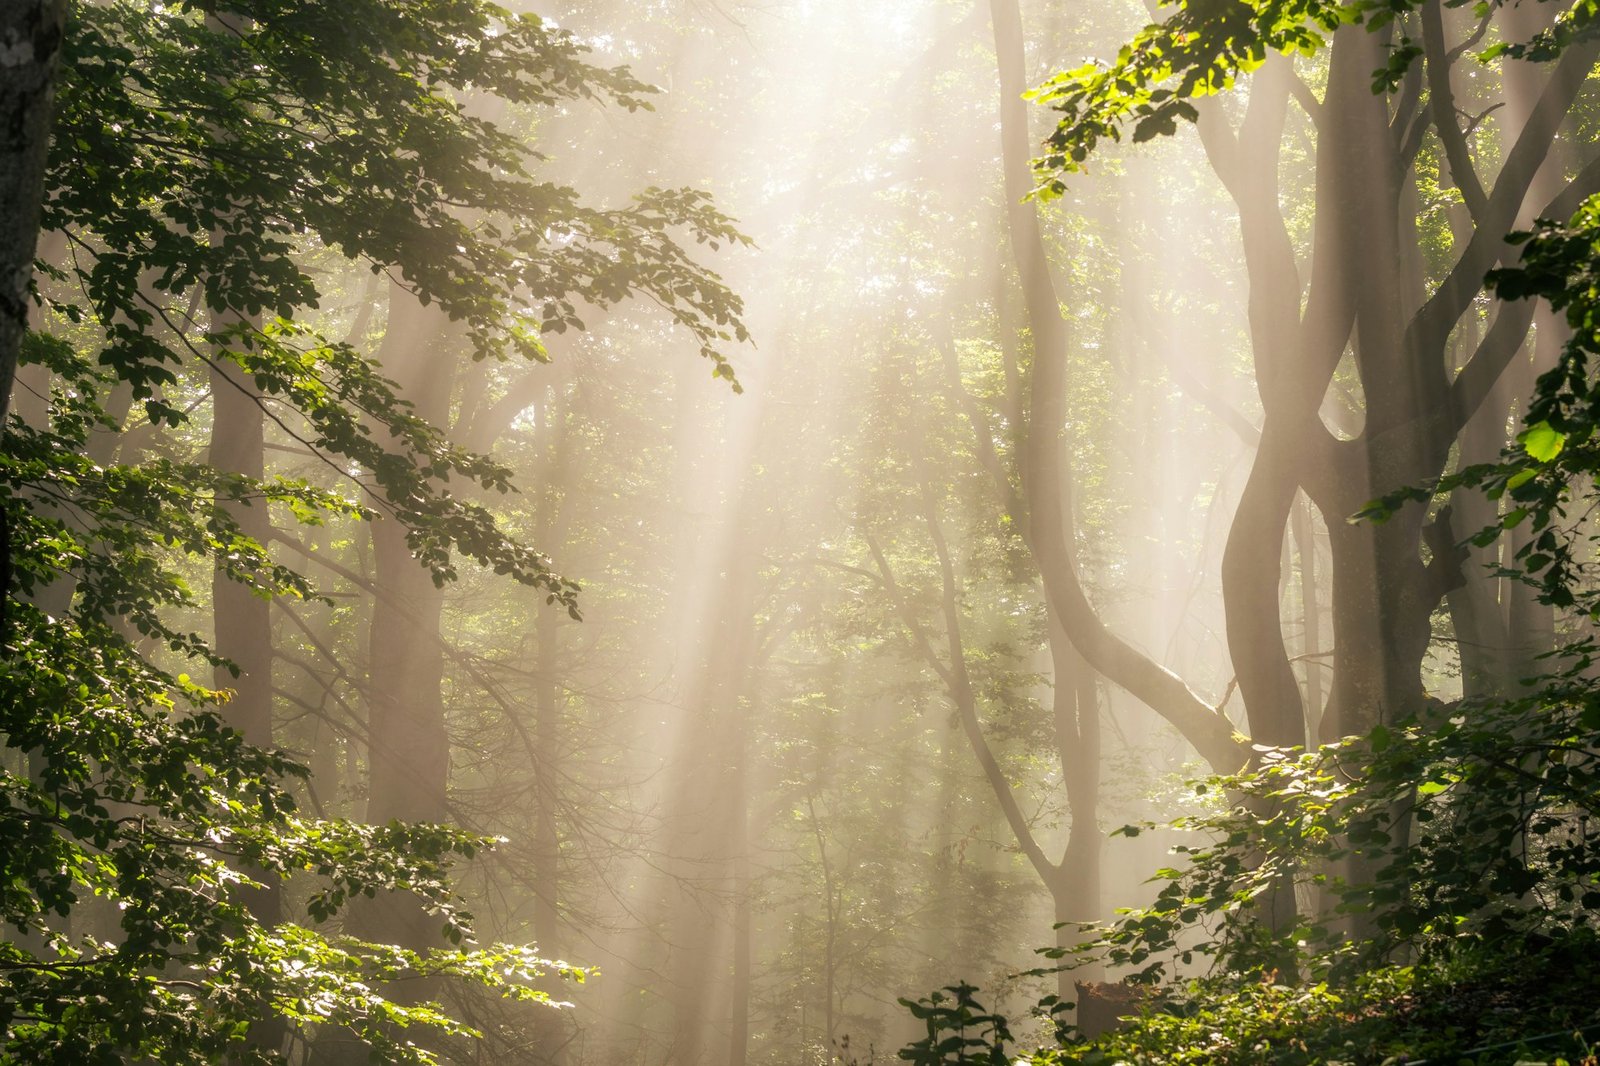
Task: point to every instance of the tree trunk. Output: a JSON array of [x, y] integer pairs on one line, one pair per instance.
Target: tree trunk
[[408, 749], [409, 759], [1075, 883], [243, 620], [547, 723], [31, 35], [1311, 649], [739, 1028], [710, 804], [1529, 623], [1046, 474]]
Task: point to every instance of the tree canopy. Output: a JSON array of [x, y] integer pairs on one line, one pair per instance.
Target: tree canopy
[[201, 157], [411, 613]]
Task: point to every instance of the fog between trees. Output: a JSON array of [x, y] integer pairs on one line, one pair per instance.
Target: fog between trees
[[800, 583]]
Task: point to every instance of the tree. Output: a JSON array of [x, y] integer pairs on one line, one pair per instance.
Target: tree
[[1399, 328], [1366, 296], [1468, 820], [191, 171], [31, 35]]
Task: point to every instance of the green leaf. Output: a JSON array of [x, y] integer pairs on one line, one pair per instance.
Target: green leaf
[[1542, 442], [1520, 478]]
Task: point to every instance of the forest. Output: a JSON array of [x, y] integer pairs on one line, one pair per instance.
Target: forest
[[799, 532]]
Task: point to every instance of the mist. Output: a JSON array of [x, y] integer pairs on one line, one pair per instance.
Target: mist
[[807, 536]]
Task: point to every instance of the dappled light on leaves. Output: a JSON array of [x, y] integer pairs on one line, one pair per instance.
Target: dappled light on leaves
[[791, 534]]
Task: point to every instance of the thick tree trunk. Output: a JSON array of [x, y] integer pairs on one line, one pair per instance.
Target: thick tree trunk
[[408, 748], [31, 35], [1530, 624], [243, 620], [1476, 617]]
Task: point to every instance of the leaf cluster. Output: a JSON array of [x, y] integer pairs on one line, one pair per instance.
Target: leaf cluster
[[1199, 50], [199, 154], [203, 154]]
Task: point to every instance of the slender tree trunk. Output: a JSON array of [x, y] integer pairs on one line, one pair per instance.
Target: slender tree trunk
[[548, 712], [1304, 532], [1075, 883], [739, 1027], [409, 759], [1046, 474], [547, 739], [1251, 576], [1286, 347]]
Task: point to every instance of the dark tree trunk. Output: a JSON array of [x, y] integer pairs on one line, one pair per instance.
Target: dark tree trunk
[[31, 34]]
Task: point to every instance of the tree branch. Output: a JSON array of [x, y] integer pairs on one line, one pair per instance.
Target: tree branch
[[1442, 104]]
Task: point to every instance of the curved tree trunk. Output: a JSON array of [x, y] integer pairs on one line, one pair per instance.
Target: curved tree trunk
[[1046, 473]]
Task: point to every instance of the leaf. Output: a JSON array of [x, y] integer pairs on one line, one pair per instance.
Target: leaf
[[1520, 478], [1380, 737], [1542, 442]]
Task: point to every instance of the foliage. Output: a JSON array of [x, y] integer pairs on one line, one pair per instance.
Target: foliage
[[960, 1029], [1473, 826], [1546, 480], [201, 152], [127, 837], [1204, 46], [1197, 52], [1458, 841], [1475, 823], [199, 158], [1472, 818], [1490, 1009]]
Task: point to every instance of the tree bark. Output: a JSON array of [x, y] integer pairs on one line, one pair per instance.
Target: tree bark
[[409, 760], [243, 620], [1046, 474], [31, 37]]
